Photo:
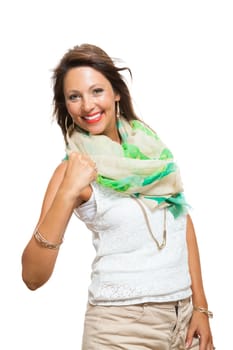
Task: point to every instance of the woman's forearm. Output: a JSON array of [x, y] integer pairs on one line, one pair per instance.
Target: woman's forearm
[[37, 261]]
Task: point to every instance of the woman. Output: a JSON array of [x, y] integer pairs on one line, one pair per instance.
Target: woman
[[120, 179]]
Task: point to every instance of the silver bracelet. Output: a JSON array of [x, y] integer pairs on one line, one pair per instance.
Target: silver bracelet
[[44, 243]]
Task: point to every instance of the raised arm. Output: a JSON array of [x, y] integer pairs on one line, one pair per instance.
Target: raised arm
[[68, 188]]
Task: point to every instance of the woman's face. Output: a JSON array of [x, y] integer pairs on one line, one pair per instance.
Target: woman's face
[[90, 100]]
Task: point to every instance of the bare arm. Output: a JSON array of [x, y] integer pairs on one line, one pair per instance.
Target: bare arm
[[198, 295], [199, 325], [68, 187]]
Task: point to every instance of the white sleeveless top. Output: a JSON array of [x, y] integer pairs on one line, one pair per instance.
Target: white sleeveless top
[[128, 267]]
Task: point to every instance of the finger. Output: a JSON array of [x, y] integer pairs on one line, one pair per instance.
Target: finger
[[205, 344], [95, 168], [189, 338]]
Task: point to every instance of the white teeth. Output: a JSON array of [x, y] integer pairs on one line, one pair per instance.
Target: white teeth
[[93, 116]]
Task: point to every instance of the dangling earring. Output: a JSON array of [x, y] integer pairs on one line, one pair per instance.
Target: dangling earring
[[69, 128], [118, 112], [66, 127]]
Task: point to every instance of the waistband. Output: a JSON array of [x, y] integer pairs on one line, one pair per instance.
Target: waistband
[[168, 303]]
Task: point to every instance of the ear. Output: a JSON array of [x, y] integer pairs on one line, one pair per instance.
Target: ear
[[117, 97]]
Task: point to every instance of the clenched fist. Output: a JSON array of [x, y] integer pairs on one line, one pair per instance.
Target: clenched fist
[[80, 172]]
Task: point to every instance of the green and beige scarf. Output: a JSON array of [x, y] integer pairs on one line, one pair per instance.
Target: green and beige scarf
[[141, 166]]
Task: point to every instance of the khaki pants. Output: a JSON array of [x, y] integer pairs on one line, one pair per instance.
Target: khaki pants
[[148, 326]]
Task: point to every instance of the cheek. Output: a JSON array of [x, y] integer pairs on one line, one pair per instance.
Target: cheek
[[108, 102], [72, 108]]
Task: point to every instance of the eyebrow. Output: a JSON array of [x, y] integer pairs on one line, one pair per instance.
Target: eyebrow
[[90, 88]]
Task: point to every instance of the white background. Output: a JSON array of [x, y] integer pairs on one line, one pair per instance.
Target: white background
[[180, 53]]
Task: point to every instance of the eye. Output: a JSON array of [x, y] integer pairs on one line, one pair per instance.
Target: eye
[[74, 97], [97, 91]]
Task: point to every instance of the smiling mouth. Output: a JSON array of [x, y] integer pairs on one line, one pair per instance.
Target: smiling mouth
[[92, 118]]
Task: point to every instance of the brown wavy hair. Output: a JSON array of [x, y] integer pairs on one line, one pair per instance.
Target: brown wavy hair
[[90, 56]]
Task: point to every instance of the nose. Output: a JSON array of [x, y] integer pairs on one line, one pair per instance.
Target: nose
[[87, 104]]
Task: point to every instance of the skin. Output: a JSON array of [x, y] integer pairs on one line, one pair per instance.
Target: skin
[[199, 325], [90, 101]]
